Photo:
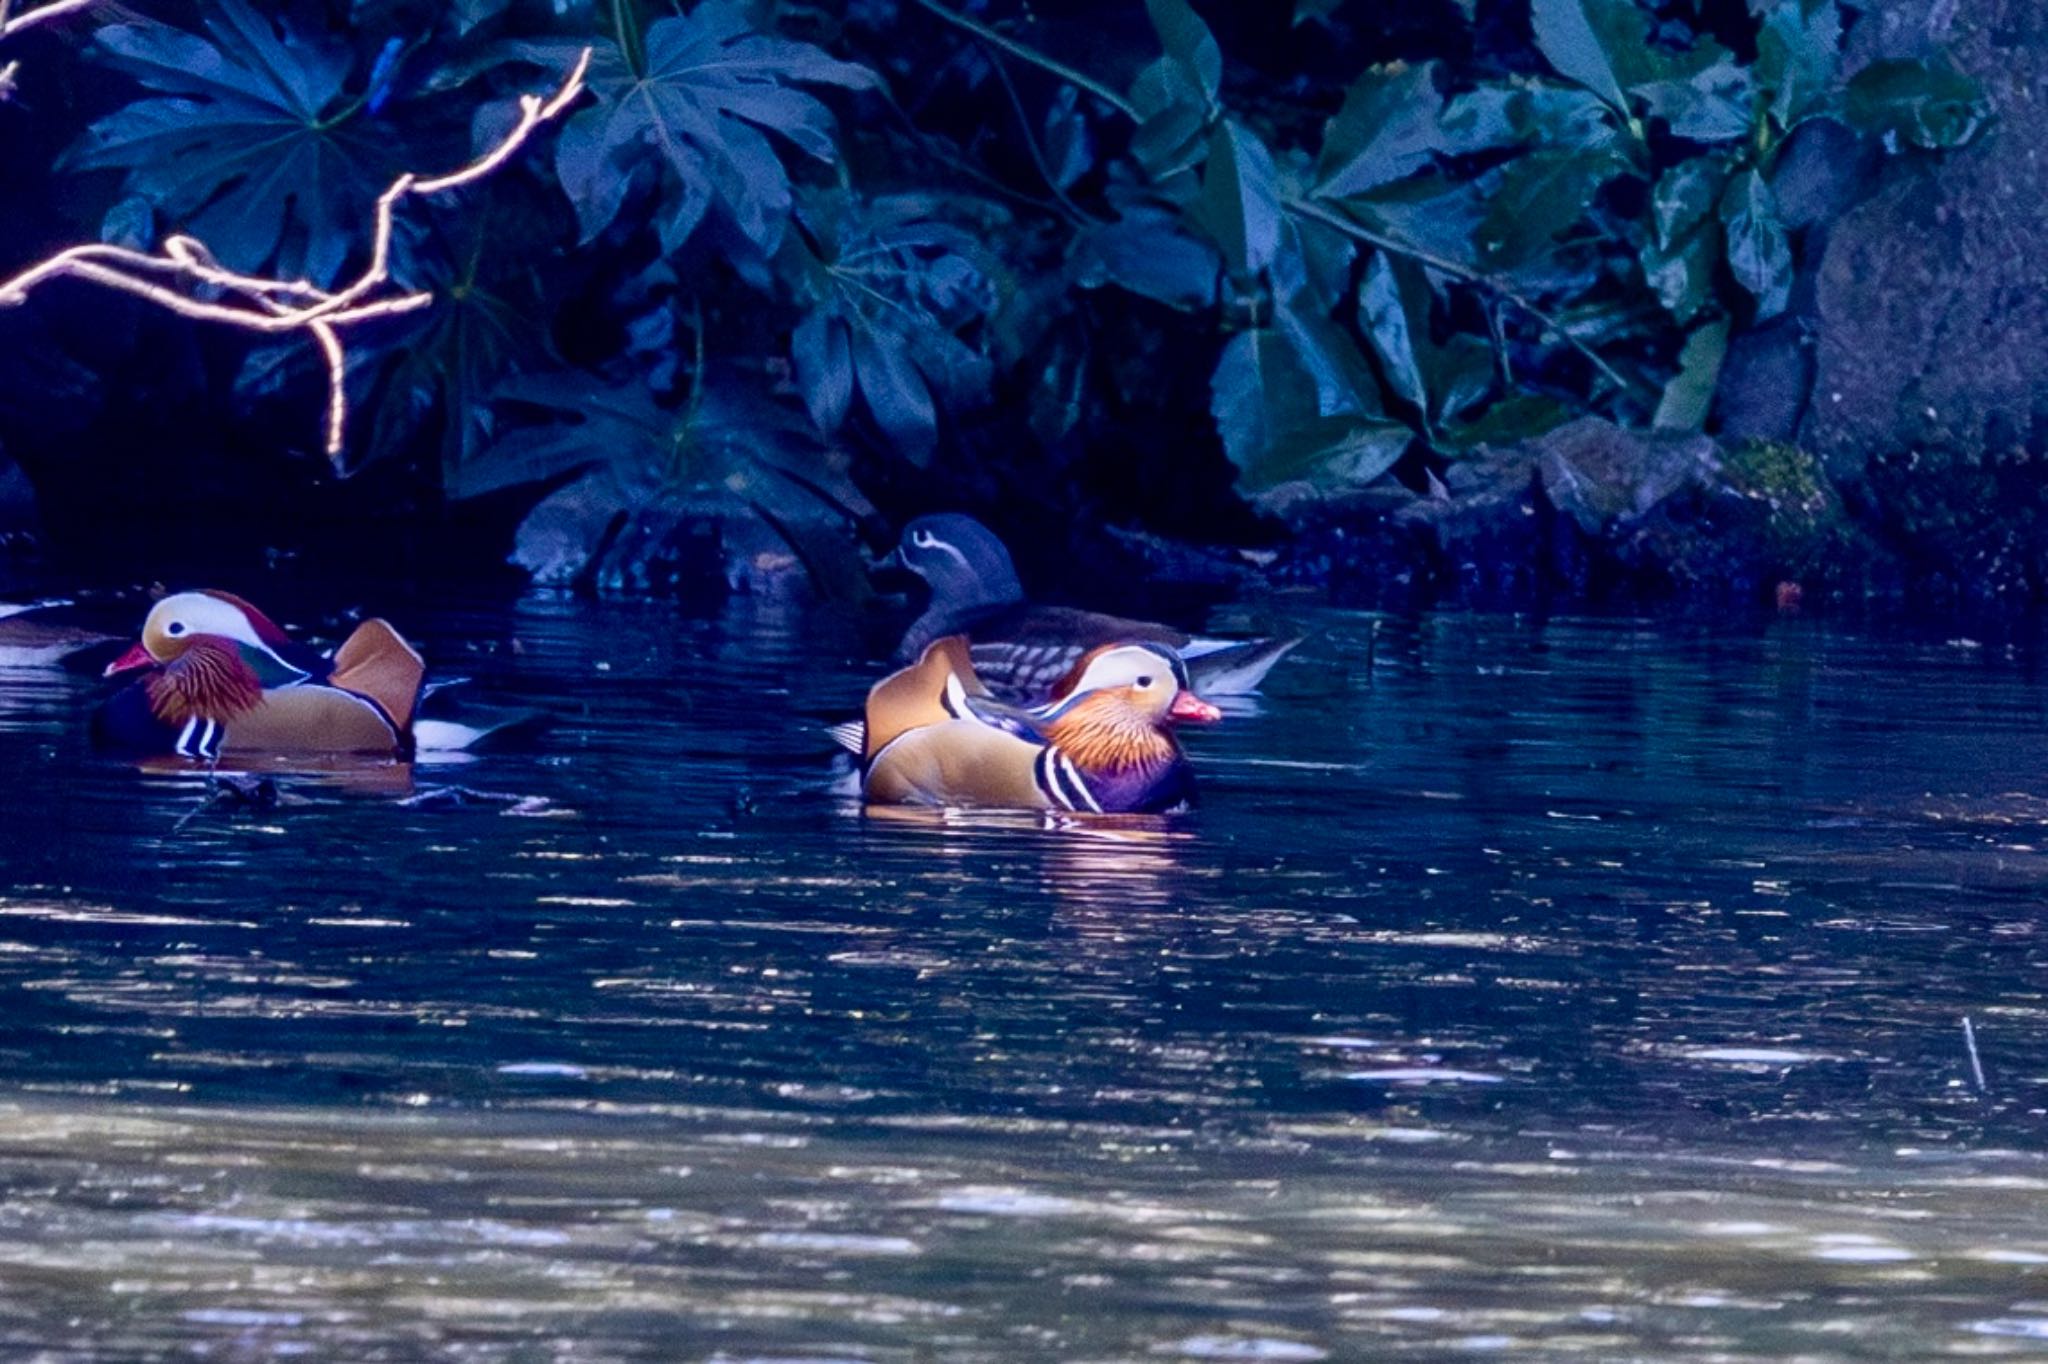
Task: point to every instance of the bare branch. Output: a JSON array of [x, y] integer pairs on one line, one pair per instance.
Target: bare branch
[[57, 9], [185, 278]]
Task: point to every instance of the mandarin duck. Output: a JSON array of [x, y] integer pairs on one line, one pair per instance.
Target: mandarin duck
[[1021, 649], [220, 677], [35, 634], [934, 735]]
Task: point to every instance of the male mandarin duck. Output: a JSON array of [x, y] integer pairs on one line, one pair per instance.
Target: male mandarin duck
[[934, 736], [220, 677], [1020, 649]]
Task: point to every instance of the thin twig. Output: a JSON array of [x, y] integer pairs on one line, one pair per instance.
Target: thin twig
[[259, 304], [1078, 217], [55, 10], [1976, 1065], [1032, 55]]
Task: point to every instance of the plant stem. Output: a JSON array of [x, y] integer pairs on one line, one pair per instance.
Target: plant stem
[[1035, 57], [1317, 213], [1074, 211]]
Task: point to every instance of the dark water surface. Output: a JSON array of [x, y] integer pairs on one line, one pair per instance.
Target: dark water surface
[[1522, 990]]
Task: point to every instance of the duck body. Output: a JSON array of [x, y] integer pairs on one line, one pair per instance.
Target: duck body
[[934, 735], [35, 634], [1020, 649], [217, 677]]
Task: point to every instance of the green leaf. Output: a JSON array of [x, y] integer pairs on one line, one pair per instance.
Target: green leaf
[[1313, 270], [1265, 409], [1326, 354], [893, 291], [1432, 213], [1689, 397], [1580, 40], [1758, 252], [1189, 43], [694, 119], [1686, 242], [1685, 197], [1682, 275], [730, 448], [1526, 112], [1916, 104], [1173, 116], [1386, 316], [1798, 48], [1240, 202], [1512, 420], [1386, 131], [254, 148], [1541, 196], [1461, 373], [1151, 255], [1333, 458], [1717, 104], [820, 356]]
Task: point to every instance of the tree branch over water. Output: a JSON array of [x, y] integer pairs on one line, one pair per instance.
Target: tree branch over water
[[9, 26], [184, 277]]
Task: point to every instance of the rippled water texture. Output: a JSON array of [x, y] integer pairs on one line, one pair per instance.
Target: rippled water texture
[[1561, 990]]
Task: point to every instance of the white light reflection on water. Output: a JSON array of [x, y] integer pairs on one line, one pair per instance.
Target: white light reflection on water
[[1552, 990]]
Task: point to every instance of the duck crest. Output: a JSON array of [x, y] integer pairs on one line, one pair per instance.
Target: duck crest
[[266, 629], [210, 680]]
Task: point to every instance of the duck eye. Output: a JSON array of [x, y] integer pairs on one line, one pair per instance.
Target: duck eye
[[176, 627], [1144, 681]]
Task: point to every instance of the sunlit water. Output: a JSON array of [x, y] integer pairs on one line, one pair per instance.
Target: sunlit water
[[1523, 990]]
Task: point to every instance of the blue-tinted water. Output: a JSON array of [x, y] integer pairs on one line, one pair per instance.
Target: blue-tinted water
[[1528, 990]]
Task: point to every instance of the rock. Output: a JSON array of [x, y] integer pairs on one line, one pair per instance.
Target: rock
[[1932, 297], [1824, 171], [1766, 381], [1594, 512], [1608, 479]]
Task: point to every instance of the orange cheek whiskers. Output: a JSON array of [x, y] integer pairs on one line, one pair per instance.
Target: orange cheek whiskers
[[208, 681]]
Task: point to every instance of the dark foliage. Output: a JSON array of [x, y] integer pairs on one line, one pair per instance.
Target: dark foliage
[[1138, 261]]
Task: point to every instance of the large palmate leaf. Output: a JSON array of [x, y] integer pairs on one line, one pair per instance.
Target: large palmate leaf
[[729, 436], [696, 119], [254, 148], [899, 302], [731, 449]]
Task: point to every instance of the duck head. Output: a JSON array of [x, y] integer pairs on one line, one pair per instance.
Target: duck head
[[960, 559], [214, 621], [1148, 681]]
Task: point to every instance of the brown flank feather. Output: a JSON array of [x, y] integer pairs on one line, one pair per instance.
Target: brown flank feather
[[913, 697], [209, 680]]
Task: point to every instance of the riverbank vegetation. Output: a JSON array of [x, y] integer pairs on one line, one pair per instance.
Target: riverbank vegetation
[[1183, 268]]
